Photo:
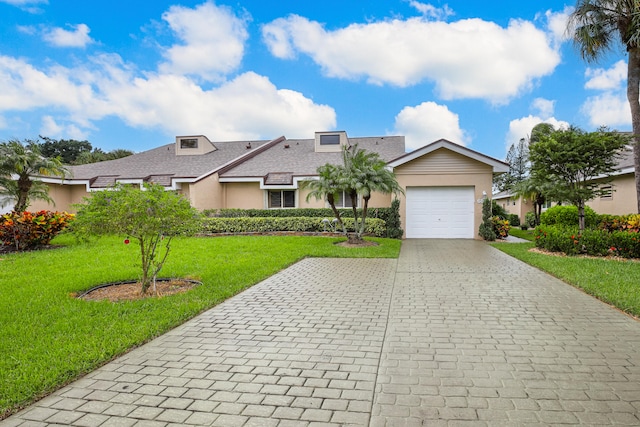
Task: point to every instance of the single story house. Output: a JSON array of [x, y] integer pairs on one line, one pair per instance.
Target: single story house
[[619, 198], [444, 183]]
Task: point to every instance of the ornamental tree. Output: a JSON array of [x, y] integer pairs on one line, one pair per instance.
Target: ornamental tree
[[570, 160], [151, 216]]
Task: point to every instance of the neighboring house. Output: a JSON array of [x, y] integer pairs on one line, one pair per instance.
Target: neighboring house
[[620, 196], [514, 205], [444, 183]]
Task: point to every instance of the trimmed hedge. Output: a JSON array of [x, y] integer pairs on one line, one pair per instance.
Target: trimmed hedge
[[373, 226], [567, 215], [391, 215], [594, 242]]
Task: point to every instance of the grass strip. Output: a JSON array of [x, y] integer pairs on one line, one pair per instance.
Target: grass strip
[[50, 338], [616, 282]]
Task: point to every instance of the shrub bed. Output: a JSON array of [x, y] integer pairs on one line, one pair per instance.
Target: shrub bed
[[567, 215], [373, 226], [390, 216], [27, 230], [596, 242]]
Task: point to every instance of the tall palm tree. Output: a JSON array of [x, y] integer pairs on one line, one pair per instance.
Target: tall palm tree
[[597, 26], [24, 160], [365, 174]]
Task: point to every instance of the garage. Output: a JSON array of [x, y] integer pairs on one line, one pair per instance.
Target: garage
[[440, 212]]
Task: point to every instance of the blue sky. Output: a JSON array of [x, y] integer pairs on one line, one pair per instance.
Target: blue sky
[[136, 74]]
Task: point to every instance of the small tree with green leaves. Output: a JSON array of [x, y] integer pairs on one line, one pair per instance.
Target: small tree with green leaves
[[152, 216], [570, 160]]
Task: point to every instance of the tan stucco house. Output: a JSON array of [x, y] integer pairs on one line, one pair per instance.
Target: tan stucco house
[[619, 198], [444, 183]]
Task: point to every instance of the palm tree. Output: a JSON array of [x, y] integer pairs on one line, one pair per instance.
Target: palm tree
[[326, 186], [597, 26], [365, 174], [24, 160]]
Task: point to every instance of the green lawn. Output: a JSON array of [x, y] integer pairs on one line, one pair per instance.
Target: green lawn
[[50, 338], [616, 282], [523, 234]]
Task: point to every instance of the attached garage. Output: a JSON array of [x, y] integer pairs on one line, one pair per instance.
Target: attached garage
[[444, 185], [440, 212]]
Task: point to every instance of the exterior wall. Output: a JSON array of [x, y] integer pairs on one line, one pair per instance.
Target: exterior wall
[[623, 200], [444, 168], [517, 206], [312, 203], [242, 195], [65, 197], [205, 194]]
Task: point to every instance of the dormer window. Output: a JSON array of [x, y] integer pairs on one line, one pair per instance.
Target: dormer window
[[330, 139], [189, 143]]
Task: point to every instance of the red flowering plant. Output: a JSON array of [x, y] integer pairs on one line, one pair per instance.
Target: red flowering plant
[[28, 230]]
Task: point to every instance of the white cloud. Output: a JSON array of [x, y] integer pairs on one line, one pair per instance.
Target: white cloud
[[78, 36], [606, 79], [608, 109], [212, 39], [543, 107], [52, 129], [469, 58], [249, 106], [521, 128], [430, 11], [429, 122], [557, 24], [27, 5]]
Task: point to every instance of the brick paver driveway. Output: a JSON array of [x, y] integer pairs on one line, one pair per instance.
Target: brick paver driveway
[[452, 332]]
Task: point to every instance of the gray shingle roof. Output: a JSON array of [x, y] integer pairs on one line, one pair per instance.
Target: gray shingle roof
[[297, 157], [161, 164]]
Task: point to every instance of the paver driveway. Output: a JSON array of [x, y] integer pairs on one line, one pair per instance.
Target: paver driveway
[[452, 332]]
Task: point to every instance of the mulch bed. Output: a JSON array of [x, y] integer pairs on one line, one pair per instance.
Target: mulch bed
[[130, 290]]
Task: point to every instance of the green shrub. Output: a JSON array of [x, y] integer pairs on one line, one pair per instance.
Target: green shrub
[[391, 215], [567, 215], [27, 230], [486, 228], [497, 210], [374, 226], [530, 219], [514, 220], [591, 242]]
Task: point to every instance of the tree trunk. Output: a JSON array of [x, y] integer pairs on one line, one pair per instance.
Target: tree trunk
[[24, 185], [332, 203], [633, 95], [581, 215]]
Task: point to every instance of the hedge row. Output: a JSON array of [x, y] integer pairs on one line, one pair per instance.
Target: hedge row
[[591, 242], [373, 226], [390, 216]]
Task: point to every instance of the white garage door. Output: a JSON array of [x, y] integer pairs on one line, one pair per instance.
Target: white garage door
[[440, 212]]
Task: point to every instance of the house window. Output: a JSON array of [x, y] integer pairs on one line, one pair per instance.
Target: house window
[[344, 201], [189, 143], [547, 204], [606, 192], [282, 199], [329, 139]]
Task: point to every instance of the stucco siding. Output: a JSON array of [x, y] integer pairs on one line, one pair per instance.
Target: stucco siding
[[206, 193], [243, 195], [623, 199]]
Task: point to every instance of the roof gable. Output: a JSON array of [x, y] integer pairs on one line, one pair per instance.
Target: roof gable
[[496, 165]]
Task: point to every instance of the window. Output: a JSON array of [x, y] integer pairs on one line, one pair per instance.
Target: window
[[606, 192], [189, 143], [282, 199], [344, 201], [547, 204], [329, 139]]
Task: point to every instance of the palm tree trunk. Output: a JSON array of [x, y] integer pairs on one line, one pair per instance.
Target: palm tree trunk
[[633, 95]]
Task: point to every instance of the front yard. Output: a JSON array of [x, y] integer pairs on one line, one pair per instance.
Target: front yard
[[50, 338]]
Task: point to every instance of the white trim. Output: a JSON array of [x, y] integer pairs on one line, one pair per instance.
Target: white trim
[[263, 186]]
